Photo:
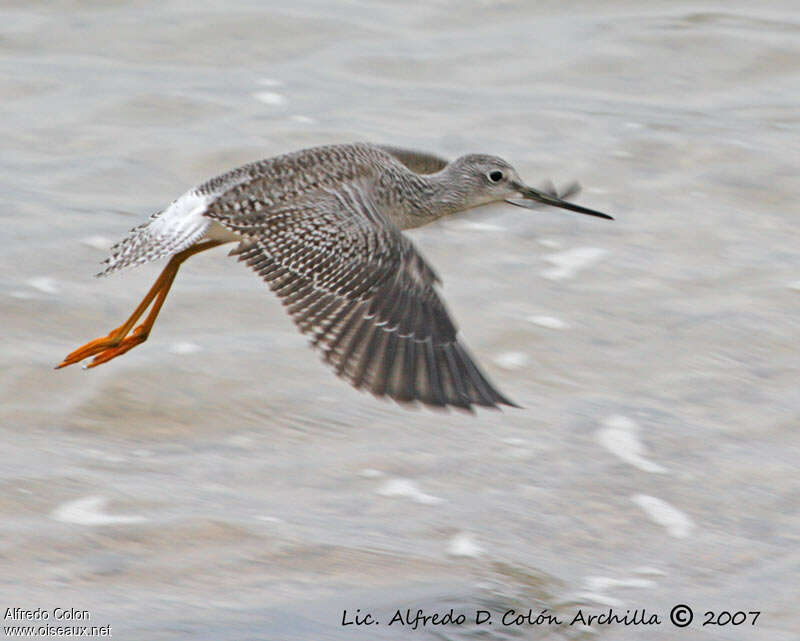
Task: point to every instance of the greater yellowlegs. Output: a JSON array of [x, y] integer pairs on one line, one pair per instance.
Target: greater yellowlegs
[[322, 227]]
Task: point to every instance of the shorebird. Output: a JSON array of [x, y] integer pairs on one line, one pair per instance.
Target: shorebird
[[322, 226]]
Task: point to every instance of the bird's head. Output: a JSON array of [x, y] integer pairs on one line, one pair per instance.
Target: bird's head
[[486, 179]]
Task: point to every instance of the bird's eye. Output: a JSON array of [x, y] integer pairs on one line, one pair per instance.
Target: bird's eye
[[495, 176]]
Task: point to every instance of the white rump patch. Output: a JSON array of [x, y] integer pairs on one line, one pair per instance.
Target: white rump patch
[[182, 219], [177, 227]]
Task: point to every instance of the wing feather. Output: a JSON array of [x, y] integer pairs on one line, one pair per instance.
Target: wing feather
[[359, 288]]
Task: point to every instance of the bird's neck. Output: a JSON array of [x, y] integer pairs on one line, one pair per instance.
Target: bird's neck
[[418, 200]]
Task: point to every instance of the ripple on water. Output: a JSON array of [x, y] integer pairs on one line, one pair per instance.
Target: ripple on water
[[463, 544], [272, 98], [45, 284], [98, 242], [674, 521], [550, 322], [512, 360], [619, 436], [185, 347], [568, 263], [88, 511], [406, 488], [603, 583]]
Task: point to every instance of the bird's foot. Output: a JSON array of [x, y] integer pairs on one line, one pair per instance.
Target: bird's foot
[[107, 347]]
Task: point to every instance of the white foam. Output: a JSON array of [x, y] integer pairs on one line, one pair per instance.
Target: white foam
[[511, 360], [568, 263], [303, 120], [596, 597], [88, 511], [270, 82], [185, 347], [676, 522], [98, 242], [596, 586], [549, 243], [407, 489], [100, 455], [795, 285], [550, 322], [270, 519], [369, 473], [603, 583], [44, 284], [463, 544], [270, 98], [620, 437], [474, 225], [649, 571]]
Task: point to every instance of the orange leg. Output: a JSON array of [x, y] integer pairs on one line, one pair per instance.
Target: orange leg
[[122, 339]]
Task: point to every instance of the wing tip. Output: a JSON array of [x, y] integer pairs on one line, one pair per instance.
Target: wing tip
[[447, 405]]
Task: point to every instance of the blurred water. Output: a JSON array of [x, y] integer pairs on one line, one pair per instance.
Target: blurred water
[[219, 483]]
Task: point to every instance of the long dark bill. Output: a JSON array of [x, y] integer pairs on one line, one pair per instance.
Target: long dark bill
[[533, 198]]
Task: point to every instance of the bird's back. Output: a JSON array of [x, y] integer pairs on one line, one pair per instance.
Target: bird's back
[[287, 177], [236, 197]]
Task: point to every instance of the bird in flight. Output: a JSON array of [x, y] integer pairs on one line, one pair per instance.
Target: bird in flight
[[323, 227]]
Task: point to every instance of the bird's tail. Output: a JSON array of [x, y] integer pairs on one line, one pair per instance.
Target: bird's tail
[[167, 232]]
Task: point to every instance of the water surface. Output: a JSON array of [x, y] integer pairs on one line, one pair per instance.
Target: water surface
[[219, 483]]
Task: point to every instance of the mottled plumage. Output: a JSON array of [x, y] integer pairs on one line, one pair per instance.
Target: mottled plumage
[[323, 228]]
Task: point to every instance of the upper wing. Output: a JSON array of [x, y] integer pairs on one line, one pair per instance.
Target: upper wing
[[359, 288]]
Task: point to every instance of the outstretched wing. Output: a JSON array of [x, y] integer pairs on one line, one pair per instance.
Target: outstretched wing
[[359, 288]]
